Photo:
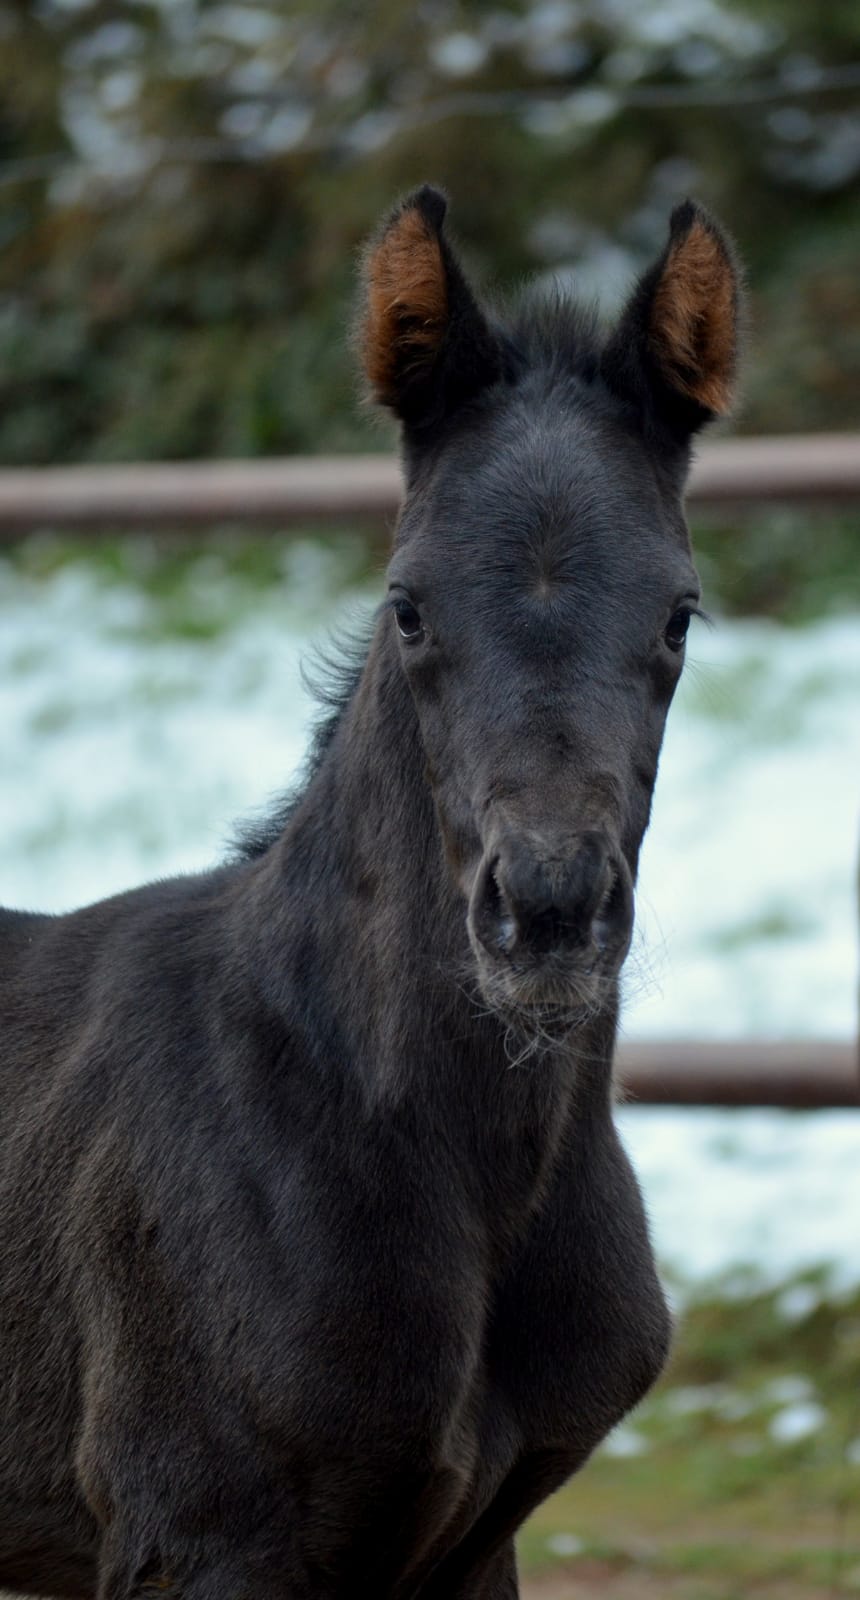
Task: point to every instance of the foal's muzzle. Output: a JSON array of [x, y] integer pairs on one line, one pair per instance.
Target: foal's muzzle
[[548, 924]]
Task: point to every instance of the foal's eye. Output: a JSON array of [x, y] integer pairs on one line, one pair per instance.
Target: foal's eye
[[676, 631], [409, 622]]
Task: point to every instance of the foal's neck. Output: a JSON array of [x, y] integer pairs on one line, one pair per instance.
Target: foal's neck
[[365, 838]]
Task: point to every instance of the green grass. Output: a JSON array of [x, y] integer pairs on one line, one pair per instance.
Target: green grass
[[748, 1463]]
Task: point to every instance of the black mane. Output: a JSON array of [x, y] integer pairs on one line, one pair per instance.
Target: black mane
[[331, 676], [557, 334]]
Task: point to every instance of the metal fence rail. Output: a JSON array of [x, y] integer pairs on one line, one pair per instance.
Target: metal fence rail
[[304, 489]]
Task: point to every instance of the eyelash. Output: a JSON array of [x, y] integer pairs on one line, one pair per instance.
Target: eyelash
[[404, 609]]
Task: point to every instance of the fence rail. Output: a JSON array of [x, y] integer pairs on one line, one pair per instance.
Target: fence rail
[[304, 489], [799, 1075]]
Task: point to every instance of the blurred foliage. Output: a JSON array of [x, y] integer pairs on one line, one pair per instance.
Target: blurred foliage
[[792, 562], [184, 188]]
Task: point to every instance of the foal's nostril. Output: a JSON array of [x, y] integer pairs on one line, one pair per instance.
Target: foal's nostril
[[612, 923], [526, 907], [493, 920], [611, 912], [499, 912]]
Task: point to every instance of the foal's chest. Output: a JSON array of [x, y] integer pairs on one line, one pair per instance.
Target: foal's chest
[[451, 1337]]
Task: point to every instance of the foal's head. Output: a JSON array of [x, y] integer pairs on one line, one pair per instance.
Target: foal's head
[[541, 584]]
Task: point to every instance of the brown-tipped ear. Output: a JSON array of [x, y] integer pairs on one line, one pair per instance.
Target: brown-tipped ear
[[425, 344], [676, 347]]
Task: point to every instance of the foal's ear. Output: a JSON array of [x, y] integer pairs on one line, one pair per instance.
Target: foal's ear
[[675, 349], [426, 346]]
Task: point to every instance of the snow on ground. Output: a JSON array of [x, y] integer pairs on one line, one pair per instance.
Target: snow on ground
[[137, 727], [747, 904]]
